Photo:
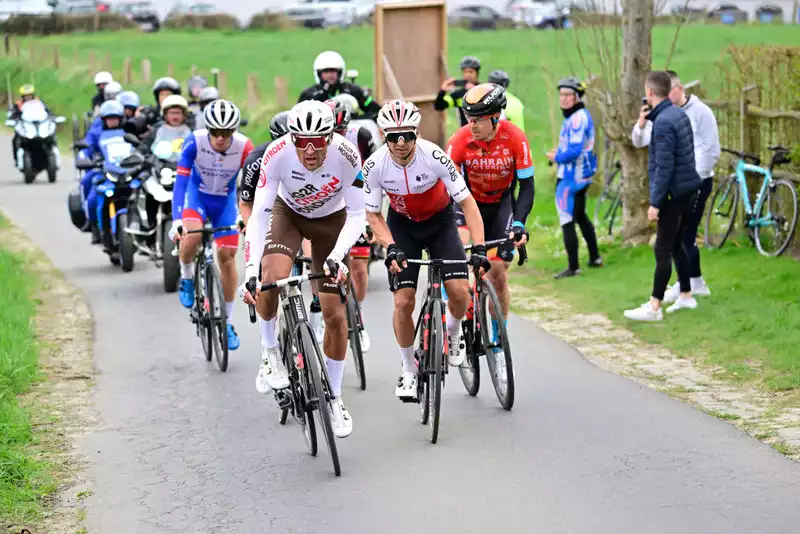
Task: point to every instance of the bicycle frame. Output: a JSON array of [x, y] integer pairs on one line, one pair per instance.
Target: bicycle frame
[[750, 210]]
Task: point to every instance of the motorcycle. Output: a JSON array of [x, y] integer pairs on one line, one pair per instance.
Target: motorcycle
[[117, 185], [39, 150]]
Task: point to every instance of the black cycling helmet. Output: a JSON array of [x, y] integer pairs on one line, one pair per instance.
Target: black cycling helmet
[[166, 84], [195, 84], [279, 125], [571, 82], [500, 77], [470, 62], [484, 99]]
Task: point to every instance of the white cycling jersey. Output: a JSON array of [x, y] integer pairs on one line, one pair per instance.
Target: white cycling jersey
[[418, 190], [336, 185]]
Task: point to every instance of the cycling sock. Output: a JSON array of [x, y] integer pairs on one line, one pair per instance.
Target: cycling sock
[[187, 270], [335, 373], [453, 324], [268, 336], [229, 310], [409, 361]]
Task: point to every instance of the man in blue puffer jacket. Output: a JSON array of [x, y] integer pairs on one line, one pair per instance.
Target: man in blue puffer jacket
[[674, 183]]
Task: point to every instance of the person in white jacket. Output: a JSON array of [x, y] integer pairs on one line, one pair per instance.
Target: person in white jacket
[[706, 155]]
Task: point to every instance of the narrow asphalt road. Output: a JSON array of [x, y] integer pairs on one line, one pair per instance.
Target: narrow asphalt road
[[184, 448]]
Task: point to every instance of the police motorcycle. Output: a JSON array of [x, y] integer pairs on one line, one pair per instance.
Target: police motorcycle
[[116, 185], [39, 149]]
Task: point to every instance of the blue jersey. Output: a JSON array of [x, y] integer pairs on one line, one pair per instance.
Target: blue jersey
[[575, 157]]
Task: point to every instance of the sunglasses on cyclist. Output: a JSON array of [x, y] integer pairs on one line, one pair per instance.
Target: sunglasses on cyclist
[[220, 133], [317, 143], [407, 136]]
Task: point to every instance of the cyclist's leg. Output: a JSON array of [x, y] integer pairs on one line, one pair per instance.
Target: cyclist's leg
[[222, 212], [463, 234], [497, 221], [565, 204], [586, 226], [359, 272], [194, 212]]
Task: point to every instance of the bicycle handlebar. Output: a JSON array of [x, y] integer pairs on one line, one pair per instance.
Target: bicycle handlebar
[[523, 250], [743, 155], [212, 230]]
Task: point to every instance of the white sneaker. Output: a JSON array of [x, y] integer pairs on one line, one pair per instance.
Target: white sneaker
[[457, 352], [645, 312], [365, 341], [406, 386], [272, 374], [681, 304], [700, 289], [340, 418], [672, 293]]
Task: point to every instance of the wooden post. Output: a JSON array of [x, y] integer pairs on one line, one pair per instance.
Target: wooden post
[[76, 57], [171, 70], [31, 54], [750, 133], [7, 44], [215, 77], [16, 47], [194, 70], [146, 71], [107, 62], [127, 74], [56, 59], [92, 61], [223, 83], [281, 92], [252, 91]]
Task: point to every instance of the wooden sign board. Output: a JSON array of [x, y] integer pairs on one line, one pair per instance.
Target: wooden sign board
[[410, 40]]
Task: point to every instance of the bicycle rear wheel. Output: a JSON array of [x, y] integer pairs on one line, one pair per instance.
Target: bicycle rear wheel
[[354, 335], [217, 316], [319, 389], [721, 215], [779, 212], [436, 361], [470, 370], [496, 345], [201, 310]]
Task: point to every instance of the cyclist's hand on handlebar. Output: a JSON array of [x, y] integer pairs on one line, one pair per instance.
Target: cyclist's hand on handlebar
[[247, 289], [242, 226], [395, 259], [519, 234], [479, 260], [336, 269], [177, 231]]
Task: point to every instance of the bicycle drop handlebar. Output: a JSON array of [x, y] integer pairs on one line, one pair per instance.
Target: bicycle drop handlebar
[[523, 250], [290, 281]]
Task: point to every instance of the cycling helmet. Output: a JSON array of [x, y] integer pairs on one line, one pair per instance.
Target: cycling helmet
[[398, 114], [196, 84], [470, 62], [103, 78], [328, 60], [112, 108], [311, 118], [27, 90], [112, 90], [166, 84], [174, 101], [500, 77], [221, 115], [129, 99], [484, 99], [341, 116], [208, 94], [279, 125], [571, 82]]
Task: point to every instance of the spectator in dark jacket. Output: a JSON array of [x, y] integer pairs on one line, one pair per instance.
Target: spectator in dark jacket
[[674, 183]]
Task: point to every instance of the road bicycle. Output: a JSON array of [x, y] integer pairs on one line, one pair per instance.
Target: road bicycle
[[607, 209], [309, 388], [485, 334], [771, 220], [208, 312]]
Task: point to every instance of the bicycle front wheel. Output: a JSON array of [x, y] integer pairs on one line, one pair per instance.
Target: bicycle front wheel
[[354, 335], [777, 219], [722, 213], [496, 345], [201, 307], [217, 316], [436, 362]]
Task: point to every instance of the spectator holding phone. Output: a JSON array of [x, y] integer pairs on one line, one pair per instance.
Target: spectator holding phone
[[706, 155], [452, 90]]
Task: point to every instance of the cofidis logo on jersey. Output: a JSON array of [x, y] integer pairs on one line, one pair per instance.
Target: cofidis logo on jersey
[[271, 151]]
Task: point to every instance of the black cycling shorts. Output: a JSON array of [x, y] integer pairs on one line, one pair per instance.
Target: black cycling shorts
[[497, 220], [439, 234]]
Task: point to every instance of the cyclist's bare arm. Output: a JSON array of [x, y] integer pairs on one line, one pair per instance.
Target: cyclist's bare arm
[[373, 201], [473, 217], [245, 210], [354, 224], [380, 229]]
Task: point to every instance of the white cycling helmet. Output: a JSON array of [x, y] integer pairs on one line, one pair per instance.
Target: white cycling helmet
[[111, 90], [328, 60], [174, 101], [311, 118], [398, 114], [221, 115], [103, 77]]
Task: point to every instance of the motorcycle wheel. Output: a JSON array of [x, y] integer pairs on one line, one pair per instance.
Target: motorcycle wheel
[[125, 240], [51, 168], [171, 268], [29, 173]]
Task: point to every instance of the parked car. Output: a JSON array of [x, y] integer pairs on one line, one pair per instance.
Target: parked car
[[142, 13], [727, 14], [80, 7], [538, 13], [476, 17], [769, 13], [198, 8], [328, 13]]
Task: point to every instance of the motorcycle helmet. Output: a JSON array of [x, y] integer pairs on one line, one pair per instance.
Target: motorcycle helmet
[[112, 90], [102, 78], [329, 60], [208, 95], [279, 125], [27, 90], [166, 84], [193, 87], [129, 99], [174, 101]]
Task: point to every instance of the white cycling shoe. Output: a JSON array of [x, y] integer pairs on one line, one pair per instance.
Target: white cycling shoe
[[457, 350], [406, 386], [272, 374], [365, 341], [340, 418]]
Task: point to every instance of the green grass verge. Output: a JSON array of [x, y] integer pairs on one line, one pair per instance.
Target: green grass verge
[[24, 480]]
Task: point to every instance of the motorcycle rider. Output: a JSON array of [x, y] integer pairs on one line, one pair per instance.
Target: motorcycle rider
[[101, 79], [174, 113], [193, 88], [27, 93], [207, 95], [329, 69], [150, 115], [452, 90]]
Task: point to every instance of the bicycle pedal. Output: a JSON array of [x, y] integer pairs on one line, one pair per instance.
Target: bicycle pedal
[[410, 400], [283, 399]]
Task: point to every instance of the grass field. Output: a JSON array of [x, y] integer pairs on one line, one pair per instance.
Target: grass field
[[23, 478]]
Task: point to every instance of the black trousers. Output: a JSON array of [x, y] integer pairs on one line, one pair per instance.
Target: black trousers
[[690, 234], [587, 229], [674, 221]]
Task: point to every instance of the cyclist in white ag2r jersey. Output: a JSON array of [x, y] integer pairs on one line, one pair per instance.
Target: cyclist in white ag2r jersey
[[420, 180], [310, 187]]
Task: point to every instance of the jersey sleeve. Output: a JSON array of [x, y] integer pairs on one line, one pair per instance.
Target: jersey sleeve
[[251, 172], [576, 128], [185, 164], [248, 148], [522, 155], [453, 180], [372, 185]]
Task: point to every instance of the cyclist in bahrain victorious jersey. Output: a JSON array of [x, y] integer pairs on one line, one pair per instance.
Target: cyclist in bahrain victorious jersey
[[310, 187], [205, 188], [492, 152], [359, 254], [420, 181]]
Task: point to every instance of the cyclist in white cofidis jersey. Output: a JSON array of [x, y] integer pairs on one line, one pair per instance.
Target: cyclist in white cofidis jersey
[[310, 187], [420, 180]]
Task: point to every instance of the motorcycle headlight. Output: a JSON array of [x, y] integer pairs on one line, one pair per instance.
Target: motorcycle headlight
[[30, 131], [111, 176]]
